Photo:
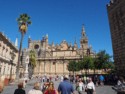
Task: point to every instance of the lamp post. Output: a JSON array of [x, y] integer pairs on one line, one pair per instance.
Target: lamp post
[[11, 62]]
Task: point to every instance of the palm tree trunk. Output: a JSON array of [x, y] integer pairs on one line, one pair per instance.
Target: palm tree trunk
[[19, 58]]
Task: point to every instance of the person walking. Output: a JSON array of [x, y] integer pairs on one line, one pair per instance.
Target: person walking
[[20, 89], [51, 89], [66, 87], [36, 89], [44, 87], [96, 80], [61, 78], [101, 78], [90, 88], [85, 79], [80, 87]]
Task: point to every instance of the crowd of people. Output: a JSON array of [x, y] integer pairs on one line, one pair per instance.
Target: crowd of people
[[69, 84], [65, 86], [120, 87]]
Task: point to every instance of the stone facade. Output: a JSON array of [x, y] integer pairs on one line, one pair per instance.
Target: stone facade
[[53, 59], [116, 14], [8, 59]]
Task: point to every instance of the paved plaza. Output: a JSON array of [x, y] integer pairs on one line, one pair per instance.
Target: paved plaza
[[99, 90]]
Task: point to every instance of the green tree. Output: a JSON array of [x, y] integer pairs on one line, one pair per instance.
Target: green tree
[[32, 56], [23, 22], [80, 65], [103, 59], [32, 62], [88, 63], [111, 65], [95, 63], [73, 66]]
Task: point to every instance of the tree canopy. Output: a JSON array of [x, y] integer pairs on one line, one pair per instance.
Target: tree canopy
[[32, 56], [23, 22], [102, 60], [73, 66]]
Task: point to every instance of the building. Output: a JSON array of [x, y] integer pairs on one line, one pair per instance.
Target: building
[[116, 15], [8, 59], [53, 59]]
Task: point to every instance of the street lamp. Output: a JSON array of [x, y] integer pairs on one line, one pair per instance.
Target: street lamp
[[11, 62]]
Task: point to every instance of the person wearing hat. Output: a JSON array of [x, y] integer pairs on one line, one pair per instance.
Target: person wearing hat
[[66, 87]]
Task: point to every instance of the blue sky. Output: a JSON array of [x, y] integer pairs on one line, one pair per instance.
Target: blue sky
[[60, 19]]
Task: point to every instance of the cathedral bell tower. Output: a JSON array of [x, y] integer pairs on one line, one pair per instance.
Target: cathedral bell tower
[[83, 41]]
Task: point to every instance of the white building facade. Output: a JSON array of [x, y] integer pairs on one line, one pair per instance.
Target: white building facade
[[8, 59]]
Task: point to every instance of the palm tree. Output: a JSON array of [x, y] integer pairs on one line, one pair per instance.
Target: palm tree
[[23, 22], [32, 62]]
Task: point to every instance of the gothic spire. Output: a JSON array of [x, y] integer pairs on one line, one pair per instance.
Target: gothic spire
[[83, 31], [16, 42]]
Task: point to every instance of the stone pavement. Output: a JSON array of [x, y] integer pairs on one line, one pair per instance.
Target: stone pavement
[[99, 90]]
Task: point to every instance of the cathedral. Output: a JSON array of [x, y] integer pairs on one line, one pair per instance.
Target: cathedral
[[53, 59]]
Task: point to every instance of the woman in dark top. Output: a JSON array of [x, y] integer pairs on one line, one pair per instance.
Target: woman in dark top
[[20, 89]]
